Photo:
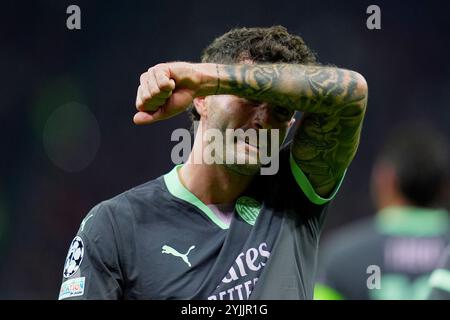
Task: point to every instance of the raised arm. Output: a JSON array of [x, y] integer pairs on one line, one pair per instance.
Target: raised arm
[[333, 101]]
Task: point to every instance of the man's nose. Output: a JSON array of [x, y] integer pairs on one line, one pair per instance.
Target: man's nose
[[262, 117]]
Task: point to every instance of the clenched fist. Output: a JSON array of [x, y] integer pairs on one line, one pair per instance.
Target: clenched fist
[[169, 88]]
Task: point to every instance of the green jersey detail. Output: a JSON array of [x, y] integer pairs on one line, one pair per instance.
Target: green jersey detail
[[177, 189], [83, 223], [306, 186], [248, 208], [412, 221]]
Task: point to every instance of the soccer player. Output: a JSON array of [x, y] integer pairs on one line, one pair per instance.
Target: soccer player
[[391, 255], [222, 230]]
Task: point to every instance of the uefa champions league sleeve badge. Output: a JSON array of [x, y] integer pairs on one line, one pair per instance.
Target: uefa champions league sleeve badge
[[74, 257]]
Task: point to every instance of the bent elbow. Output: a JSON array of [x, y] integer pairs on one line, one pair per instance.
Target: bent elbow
[[361, 89]]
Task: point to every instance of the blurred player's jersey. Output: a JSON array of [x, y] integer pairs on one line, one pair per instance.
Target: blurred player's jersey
[[439, 281], [389, 256], [159, 241]]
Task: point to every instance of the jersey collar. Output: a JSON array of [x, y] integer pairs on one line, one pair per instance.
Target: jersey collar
[[179, 191]]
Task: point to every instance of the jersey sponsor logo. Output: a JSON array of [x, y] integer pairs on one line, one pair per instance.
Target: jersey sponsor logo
[[72, 288], [169, 250], [74, 257], [248, 208], [240, 280]]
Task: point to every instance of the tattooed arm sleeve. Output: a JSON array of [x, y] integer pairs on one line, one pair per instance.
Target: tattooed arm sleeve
[[333, 101]]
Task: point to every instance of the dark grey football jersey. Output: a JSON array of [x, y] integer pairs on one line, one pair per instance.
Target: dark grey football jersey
[[159, 241]]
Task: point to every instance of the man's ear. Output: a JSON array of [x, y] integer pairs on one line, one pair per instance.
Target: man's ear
[[200, 106]]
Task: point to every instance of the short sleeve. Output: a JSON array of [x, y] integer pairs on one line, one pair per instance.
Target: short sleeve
[[92, 267]]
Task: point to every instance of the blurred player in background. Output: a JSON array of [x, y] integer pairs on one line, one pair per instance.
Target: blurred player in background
[[408, 234]]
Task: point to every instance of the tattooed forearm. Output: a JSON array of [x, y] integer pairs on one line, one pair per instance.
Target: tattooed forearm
[[333, 101], [298, 87], [324, 145]]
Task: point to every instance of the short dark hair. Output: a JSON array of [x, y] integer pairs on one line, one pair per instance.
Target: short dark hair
[[420, 157], [260, 45]]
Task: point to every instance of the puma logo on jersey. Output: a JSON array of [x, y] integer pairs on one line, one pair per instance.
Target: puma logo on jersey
[[169, 250]]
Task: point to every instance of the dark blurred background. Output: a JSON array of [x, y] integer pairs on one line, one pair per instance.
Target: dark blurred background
[[67, 102]]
